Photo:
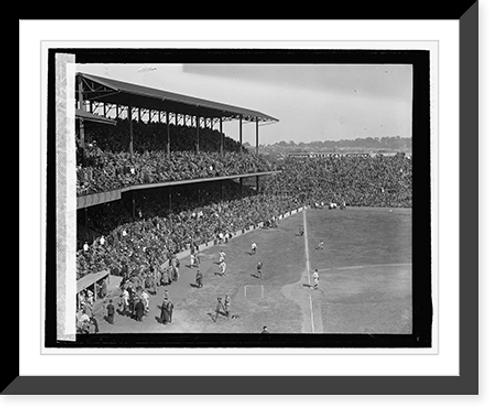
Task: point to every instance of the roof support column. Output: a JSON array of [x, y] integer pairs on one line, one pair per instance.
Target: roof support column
[[241, 134], [168, 134], [221, 137], [80, 106], [197, 134], [131, 131], [257, 136]]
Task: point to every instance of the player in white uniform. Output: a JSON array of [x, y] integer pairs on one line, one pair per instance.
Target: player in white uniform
[[253, 248], [222, 256], [315, 277], [222, 267]]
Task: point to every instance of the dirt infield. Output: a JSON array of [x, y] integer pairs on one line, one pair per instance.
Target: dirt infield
[[364, 286]]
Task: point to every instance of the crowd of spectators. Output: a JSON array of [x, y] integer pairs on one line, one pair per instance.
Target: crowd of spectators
[[137, 247], [107, 171], [380, 181], [104, 163], [153, 136]]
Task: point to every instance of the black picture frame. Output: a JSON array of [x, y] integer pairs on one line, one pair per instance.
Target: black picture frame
[[465, 383]]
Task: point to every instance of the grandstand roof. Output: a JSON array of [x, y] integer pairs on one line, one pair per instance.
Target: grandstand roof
[[97, 88]]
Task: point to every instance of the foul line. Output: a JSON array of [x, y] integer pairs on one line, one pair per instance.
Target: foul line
[[308, 267]]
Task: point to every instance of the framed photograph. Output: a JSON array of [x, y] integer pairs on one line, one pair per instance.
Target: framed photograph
[[257, 216]]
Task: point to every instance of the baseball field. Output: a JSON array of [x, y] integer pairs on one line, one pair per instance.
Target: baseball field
[[365, 279]]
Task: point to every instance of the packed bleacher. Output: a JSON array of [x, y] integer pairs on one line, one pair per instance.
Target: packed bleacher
[[133, 247], [380, 181], [105, 163]]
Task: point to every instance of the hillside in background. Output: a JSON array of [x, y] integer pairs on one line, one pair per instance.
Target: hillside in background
[[359, 145]]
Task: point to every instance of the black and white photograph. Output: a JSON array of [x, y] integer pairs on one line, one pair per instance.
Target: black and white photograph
[[248, 208], [263, 198]]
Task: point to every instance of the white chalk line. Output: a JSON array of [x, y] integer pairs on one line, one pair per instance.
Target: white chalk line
[[308, 267], [366, 266]]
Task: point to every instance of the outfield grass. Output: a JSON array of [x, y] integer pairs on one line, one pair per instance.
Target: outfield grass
[[365, 279]]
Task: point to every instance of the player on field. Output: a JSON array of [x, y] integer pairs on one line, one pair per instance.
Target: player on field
[[222, 267], [321, 245], [227, 307], [253, 248], [315, 277], [259, 269], [222, 256], [199, 279]]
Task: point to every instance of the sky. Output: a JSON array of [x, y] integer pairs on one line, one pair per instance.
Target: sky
[[312, 101]]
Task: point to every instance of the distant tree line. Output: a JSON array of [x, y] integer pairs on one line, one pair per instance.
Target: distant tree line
[[393, 142]]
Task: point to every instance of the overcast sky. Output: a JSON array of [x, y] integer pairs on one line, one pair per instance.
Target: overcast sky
[[312, 102]]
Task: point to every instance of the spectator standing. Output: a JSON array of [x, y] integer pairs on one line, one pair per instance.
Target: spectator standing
[[219, 308], [164, 311], [139, 309], [125, 300], [170, 311], [145, 299], [110, 308]]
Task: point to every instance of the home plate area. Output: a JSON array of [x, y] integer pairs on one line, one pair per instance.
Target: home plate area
[[253, 291]]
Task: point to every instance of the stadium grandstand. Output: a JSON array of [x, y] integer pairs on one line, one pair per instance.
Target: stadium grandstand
[[155, 177]]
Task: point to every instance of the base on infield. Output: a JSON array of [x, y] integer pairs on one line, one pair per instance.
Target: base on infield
[[254, 291]]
